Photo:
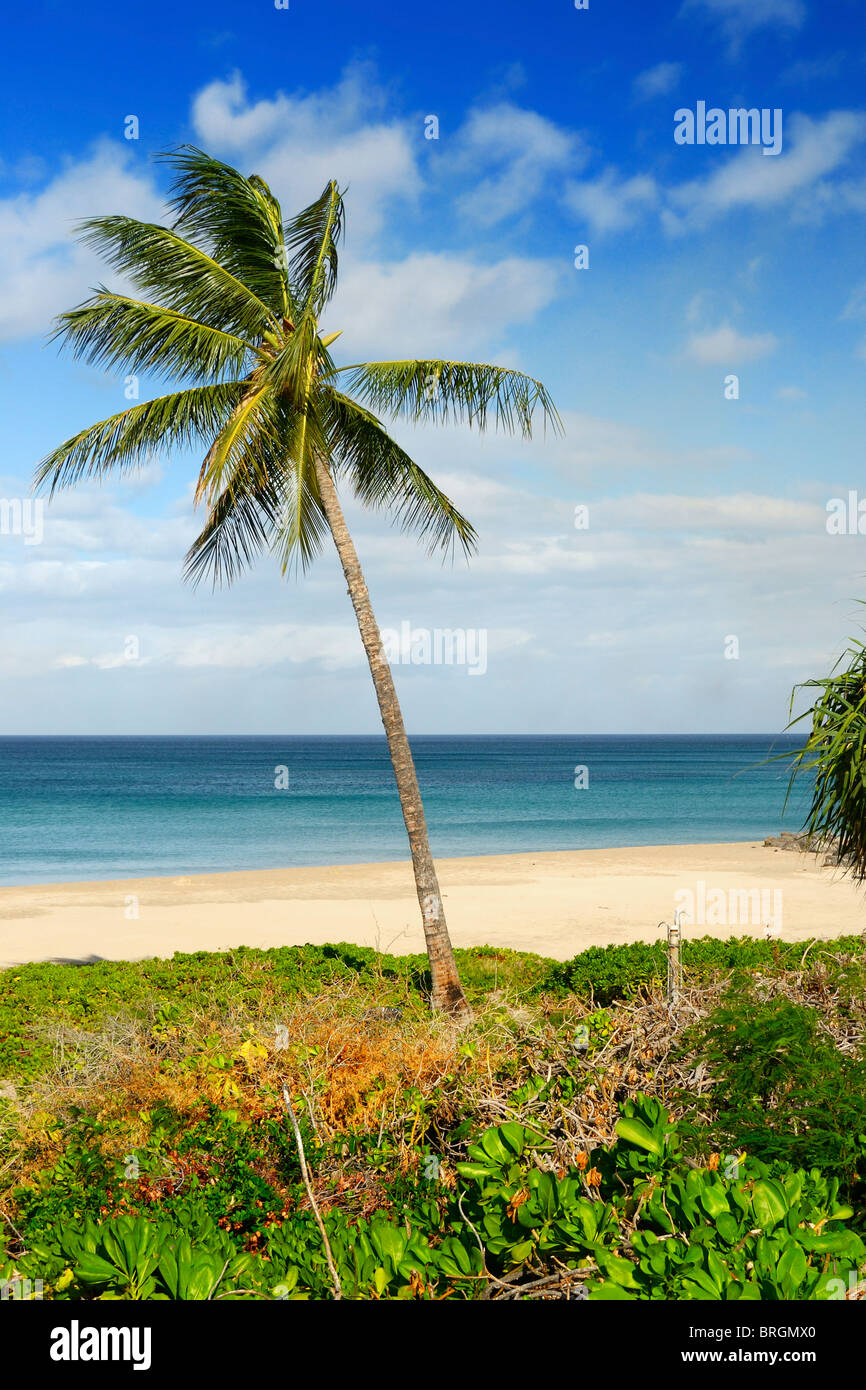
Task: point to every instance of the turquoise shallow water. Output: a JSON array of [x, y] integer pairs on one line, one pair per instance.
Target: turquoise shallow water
[[94, 808]]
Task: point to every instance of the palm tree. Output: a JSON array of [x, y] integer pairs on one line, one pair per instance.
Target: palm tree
[[833, 761], [233, 301]]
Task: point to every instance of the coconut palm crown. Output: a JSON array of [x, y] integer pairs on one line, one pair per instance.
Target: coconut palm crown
[[232, 298]]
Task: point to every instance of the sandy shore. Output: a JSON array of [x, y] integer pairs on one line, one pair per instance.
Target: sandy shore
[[556, 904]]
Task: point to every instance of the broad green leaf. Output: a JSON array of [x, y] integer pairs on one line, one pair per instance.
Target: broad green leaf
[[713, 1201], [92, 1269], [792, 1267], [635, 1132], [473, 1170], [770, 1203], [609, 1292], [620, 1270], [514, 1136], [727, 1227], [494, 1147]]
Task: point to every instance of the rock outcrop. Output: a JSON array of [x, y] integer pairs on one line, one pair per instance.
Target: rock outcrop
[[800, 841], [807, 844]]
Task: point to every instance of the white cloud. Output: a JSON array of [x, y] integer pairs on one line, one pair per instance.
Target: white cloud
[[42, 269], [435, 304], [724, 345], [335, 647], [739, 514], [226, 646], [547, 555], [517, 150], [223, 115], [260, 647], [299, 142], [657, 81], [740, 18], [51, 578], [812, 149], [649, 561], [610, 203]]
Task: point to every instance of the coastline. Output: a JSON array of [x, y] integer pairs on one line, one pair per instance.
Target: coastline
[[555, 903]]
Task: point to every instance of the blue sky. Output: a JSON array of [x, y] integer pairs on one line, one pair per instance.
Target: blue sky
[[707, 515]]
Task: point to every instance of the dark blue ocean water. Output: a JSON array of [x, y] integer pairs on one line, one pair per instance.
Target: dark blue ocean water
[[95, 808]]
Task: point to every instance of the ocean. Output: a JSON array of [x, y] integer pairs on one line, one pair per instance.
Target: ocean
[[98, 808]]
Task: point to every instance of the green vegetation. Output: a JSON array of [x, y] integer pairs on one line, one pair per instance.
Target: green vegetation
[[605, 973], [783, 1088], [575, 1140], [833, 759]]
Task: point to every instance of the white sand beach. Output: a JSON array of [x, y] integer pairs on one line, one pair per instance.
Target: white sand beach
[[555, 904]]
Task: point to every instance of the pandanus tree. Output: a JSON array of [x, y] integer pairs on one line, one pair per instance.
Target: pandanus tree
[[231, 308], [832, 760]]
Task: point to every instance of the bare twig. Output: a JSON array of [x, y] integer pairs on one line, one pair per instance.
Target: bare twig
[[335, 1278], [219, 1280]]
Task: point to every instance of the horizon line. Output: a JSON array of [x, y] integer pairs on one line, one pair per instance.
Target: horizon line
[[723, 733]]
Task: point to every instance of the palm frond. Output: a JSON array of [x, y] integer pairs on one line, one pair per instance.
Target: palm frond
[[126, 440], [288, 372], [383, 476], [302, 525], [264, 459], [312, 239], [239, 444], [184, 276], [833, 760], [237, 218], [239, 527], [112, 330], [453, 392]]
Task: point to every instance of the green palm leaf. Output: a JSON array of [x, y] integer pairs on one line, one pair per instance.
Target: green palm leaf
[[312, 238], [833, 761], [237, 218], [178, 420], [432, 390], [240, 445], [112, 330], [302, 526], [240, 525], [183, 275], [383, 476]]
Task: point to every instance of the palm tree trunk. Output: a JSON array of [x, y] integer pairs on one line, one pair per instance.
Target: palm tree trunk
[[447, 990]]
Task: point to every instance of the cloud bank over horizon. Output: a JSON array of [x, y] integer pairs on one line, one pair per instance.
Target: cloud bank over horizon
[[708, 365]]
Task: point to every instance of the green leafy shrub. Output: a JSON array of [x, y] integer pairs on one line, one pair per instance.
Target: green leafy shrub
[[655, 1227], [607, 973], [34, 998], [782, 1089]]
